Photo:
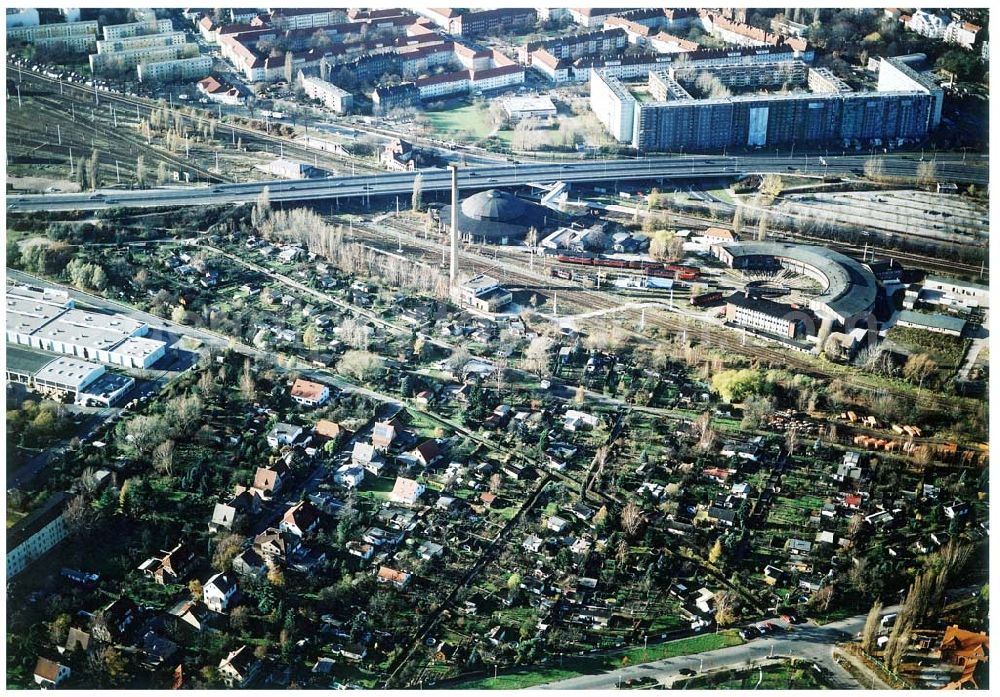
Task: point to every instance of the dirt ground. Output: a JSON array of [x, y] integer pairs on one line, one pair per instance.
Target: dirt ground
[[42, 184]]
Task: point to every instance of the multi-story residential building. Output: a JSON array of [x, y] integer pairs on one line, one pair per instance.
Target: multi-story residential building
[[73, 36], [287, 18], [337, 100], [928, 24], [180, 69], [608, 40], [33, 536], [385, 98], [613, 105], [125, 60], [590, 17], [962, 33], [476, 22], [147, 26], [174, 38], [895, 74]]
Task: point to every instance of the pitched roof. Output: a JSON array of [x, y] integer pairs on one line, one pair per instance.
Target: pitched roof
[[405, 488], [302, 515], [239, 660], [305, 389], [330, 429], [267, 477], [224, 582], [49, 670], [428, 450], [388, 574]]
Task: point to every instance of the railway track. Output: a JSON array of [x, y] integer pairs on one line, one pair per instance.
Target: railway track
[[511, 268], [249, 135], [126, 134]]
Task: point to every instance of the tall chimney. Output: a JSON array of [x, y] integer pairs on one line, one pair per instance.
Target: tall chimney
[[453, 269]]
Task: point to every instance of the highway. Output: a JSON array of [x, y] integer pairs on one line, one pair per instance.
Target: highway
[[971, 169]]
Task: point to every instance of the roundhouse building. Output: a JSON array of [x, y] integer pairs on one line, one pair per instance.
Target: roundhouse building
[[498, 217], [849, 288]]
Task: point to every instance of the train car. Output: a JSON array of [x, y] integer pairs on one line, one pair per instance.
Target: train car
[[561, 273], [706, 299]]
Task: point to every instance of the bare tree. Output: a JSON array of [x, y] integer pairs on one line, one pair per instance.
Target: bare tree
[[496, 481], [163, 458], [869, 635], [726, 608], [248, 385], [536, 356], [631, 518], [418, 193]]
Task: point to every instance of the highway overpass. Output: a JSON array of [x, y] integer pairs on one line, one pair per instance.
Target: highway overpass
[[957, 168]]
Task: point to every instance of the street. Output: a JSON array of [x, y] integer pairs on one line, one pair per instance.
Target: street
[[806, 641]]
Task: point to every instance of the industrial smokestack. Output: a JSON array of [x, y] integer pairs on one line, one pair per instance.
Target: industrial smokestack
[[453, 269]]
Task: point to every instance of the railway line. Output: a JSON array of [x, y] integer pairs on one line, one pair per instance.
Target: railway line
[[510, 267], [249, 135]]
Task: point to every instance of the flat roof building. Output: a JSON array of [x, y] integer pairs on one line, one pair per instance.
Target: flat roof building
[[529, 107], [481, 292], [334, 98], [46, 324], [936, 322], [180, 69]]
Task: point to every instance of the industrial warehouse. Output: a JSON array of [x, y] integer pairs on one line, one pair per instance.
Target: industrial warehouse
[[85, 382], [815, 108], [49, 320]]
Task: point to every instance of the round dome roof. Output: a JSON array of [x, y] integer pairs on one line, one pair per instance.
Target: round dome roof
[[493, 205]]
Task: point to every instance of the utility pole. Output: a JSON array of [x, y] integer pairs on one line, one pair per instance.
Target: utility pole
[[19, 95], [71, 162], [453, 271], [555, 304], [216, 160], [118, 175], [59, 133], [114, 116]]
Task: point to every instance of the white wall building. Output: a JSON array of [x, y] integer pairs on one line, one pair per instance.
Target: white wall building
[[613, 104], [334, 98], [932, 26], [180, 69]]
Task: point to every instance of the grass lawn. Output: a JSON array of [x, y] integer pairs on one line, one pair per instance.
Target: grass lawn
[[573, 666], [378, 488], [781, 676], [467, 121]]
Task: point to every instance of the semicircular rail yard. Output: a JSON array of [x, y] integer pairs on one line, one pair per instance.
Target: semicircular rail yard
[[849, 287]]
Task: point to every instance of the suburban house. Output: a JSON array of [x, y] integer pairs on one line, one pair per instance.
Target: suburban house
[[77, 639], [349, 475], [268, 479], [300, 519], [249, 563], [383, 434], [366, 456], [172, 566], [275, 545], [328, 429], [427, 452], [193, 613], [114, 623], [399, 579], [283, 434], [310, 394], [406, 491], [49, 673], [239, 667], [219, 591]]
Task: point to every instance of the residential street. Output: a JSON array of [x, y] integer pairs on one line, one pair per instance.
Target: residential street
[[806, 641]]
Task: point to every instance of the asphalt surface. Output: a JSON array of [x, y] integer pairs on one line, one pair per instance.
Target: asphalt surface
[[806, 641], [949, 168]]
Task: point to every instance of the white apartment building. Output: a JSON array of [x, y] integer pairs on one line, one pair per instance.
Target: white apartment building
[[148, 26], [932, 26], [133, 43], [613, 104], [75, 36], [180, 69], [32, 537], [125, 60], [962, 33], [336, 99]]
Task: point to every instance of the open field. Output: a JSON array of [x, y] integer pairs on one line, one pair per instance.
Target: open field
[[465, 123]]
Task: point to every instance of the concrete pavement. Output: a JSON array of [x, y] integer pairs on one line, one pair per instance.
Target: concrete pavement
[[806, 641]]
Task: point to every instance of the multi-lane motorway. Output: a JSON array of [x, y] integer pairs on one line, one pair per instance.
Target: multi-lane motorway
[[959, 168]]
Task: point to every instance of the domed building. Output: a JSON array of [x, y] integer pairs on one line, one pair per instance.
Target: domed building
[[498, 217]]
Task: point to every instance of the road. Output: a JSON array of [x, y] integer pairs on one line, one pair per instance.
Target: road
[[949, 168], [806, 641]]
